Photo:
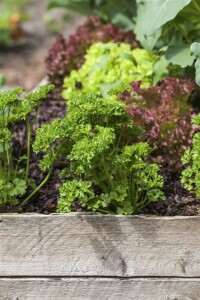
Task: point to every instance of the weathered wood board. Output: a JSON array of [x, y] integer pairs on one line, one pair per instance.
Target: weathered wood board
[[99, 245], [99, 289]]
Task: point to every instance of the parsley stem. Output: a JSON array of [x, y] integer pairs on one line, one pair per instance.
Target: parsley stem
[[98, 181], [9, 163], [28, 147], [131, 189], [144, 202], [133, 193], [38, 188], [107, 173], [105, 211], [4, 159]]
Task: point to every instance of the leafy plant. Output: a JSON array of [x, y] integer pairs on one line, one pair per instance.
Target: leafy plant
[[191, 158], [114, 11], [11, 17], [168, 26], [10, 27], [107, 65], [164, 112], [68, 54], [161, 11], [176, 26], [195, 49], [16, 5], [14, 179], [108, 169]]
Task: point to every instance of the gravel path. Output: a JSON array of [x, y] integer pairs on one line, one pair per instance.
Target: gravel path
[[24, 65]]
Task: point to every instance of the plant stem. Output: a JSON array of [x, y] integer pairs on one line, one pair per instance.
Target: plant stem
[[133, 194], [196, 5], [8, 163], [28, 147], [107, 173], [29, 127], [4, 147], [98, 180], [105, 211], [38, 188], [4, 159]]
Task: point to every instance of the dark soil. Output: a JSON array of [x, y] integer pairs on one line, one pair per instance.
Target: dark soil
[[178, 200]]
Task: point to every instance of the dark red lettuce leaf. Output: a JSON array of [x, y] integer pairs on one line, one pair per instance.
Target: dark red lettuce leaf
[[165, 114]]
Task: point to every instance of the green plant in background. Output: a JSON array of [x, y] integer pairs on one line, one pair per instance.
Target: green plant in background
[[170, 26], [16, 5], [108, 169], [195, 49], [166, 25], [107, 65], [51, 24], [14, 179], [11, 17], [191, 158], [114, 11], [8, 28]]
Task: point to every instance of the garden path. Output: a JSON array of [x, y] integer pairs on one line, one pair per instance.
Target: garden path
[[23, 65]]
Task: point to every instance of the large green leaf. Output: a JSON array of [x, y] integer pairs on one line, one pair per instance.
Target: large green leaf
[[197, 73], [114, 11], [195, 48], [147, 42], [180, 55], [159, 12]]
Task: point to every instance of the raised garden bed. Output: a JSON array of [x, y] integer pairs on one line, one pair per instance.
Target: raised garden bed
[[84, 256], [112, 145]]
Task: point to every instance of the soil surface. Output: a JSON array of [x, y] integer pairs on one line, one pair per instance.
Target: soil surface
[[23, 64]]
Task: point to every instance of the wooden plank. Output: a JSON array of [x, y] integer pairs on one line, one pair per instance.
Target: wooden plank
[[99, 245], [100, 289]]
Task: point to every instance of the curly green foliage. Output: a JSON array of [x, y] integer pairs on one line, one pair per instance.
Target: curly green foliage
[[105, 172], [107, 65], [191, 158], [13, 108]]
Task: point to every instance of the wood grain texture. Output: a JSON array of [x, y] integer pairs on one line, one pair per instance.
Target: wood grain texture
[[98, 245], [99, 289]]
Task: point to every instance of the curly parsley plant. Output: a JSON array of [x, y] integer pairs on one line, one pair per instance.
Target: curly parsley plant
[[14, 179], [106, 172], [191, 158]]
